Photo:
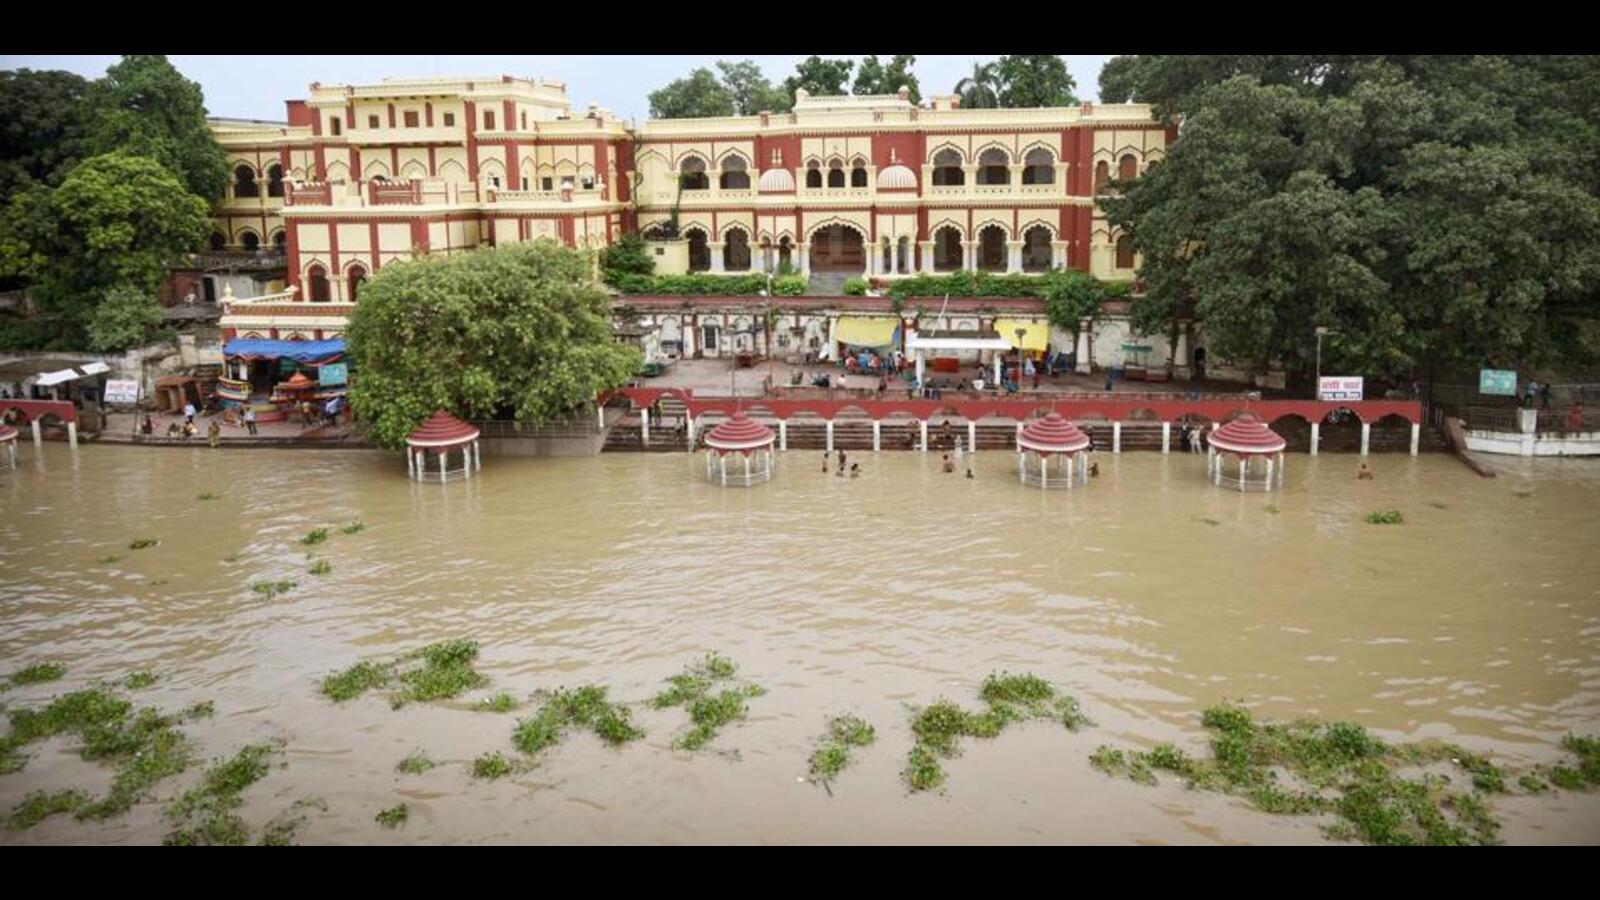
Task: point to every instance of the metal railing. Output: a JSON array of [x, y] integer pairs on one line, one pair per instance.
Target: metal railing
[[511, 428], [1509, 419]]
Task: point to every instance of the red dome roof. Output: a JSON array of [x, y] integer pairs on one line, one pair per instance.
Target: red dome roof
[[739, 433], [1246, 434], [7, 433], [442, 430], [1052, 434]]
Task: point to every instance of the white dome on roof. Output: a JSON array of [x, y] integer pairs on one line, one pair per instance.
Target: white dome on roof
[[776, 180], [896, 177]]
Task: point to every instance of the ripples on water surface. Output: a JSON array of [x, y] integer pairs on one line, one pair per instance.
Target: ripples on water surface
[[1477, 620]]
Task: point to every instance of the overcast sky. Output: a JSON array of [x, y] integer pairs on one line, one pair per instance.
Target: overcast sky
[[254, 87]]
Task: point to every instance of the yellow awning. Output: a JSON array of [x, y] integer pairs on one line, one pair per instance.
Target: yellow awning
[[864, 331], [1036, 335]]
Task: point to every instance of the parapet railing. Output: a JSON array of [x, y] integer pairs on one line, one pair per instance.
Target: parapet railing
[[511, 428]]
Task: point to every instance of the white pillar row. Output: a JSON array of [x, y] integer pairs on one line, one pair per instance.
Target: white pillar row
[[783, 435], [1116, 436], [972, 436], [829, 446], [926, 267], [72, 433], [442, 458], [1013, 256], [1166, 437], [644, 425], [1416, 437], [923, 424], [1366, 435], [1316, 436], [466, 461], [877, 436]]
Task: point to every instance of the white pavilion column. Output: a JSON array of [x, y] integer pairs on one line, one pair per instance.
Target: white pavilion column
[[716, 258], [1013, 256], [644, 425], [1180, 353], [1416, 437], [477, 456], [466, 461], [972, 436], [1242, 461], [690, 419], [1316, 436], [783, 435], [1022, 466], [829, 447], [1269, 471], [600, 411], [927, 257], [1366, 435], [747, 468], [1116, 436], [442, 459], [72, 433], [1218, 467], [923, 425], [38, 434], [1019, 437], [411, 465], [1166, 437], [722, 461], [1280, 468], [1083, 346], [877, 436]]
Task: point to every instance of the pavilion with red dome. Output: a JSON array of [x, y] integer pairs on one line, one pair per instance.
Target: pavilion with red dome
[[1054, 443], [1258, 449], [439, 435], [740, 436]]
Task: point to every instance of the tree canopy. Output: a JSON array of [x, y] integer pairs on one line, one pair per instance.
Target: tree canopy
[[820, 77], [41, 127], [1014, 82], [1434, 211], [145, 107], [520, 331], [875, 77], [699, 96], [751, 91]]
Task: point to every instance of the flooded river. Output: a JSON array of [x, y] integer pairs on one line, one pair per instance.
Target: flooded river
[[1148, 595]]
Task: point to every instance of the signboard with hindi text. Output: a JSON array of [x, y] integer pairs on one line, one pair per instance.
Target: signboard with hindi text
[[122, 391], [1497, 381], [333, 373], [1339, 387]]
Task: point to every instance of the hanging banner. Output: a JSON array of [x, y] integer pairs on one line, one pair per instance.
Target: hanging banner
[[333, 373], [1339, 387], [1497, 381], [122, 391]]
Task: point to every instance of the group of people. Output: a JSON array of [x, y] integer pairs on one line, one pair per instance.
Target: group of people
[[326, 413], [855, 468]]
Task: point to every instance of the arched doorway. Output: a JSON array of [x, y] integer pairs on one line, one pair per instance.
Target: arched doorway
[[947, 250], [992, 249], [358, 274], [836, 248], [785, 254], [317, 277], [1036, 249], [736, 251], [699, 250]]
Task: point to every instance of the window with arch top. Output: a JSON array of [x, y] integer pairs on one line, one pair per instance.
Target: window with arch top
[[836, 174], [358, 274], [735, 174], [1102, 174], [692, 172], [858, 174], [317, 284], [250, 241], [947, 168], [274, 180], [1127, 167], [1039, 167], [1125, 252], [993, 166], [813, 175], [244, 182]]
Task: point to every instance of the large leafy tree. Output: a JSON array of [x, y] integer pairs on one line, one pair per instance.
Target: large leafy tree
[[520, 331], [125, 318], [1435, 211], [116, 220], [981, 89], [874, 77], [751, 91], [1027, 81], [698, 96], [143, 106], [820, 77], [41, 127]]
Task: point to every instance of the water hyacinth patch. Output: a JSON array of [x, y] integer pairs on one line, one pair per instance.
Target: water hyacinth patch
[[143, 543], [833, 753], [1010, 698], [583, 707], [315, 536], [272, 589], [207, 815], [435, 672], [352, 528], [416, 763], [38, 673], [1386, 517], [394, 816], [321, 567], [707, 712], [491, 766]]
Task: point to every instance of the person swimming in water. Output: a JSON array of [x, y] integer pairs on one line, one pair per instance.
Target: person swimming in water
[[1363, 473], [1094, 469], [949, 464], [824, 462], [969, 472], [855, 470]]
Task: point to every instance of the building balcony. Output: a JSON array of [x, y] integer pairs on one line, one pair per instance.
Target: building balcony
[[365, 194]]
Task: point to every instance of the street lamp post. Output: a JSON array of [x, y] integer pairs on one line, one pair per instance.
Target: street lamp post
[[1322, 332]]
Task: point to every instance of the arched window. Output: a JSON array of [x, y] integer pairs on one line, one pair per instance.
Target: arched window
[[992, 167], [836, 174], [218, 241], [736, 251], [244, 182], [858, 174], [1125, 252], [250, 241], [317, 284], [274, 180], [947, 168], [1102, 174], [693, 172], [813, 175], [358, 274], [785, 253], [888, 256], [1036, 255], [699, 250], [735, 174], [903, 255], [280, 240], [1039, 167], [992, 249], [1127, 167], [947, 255]]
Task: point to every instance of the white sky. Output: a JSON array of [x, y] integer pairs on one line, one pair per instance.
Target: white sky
[[255, 87]]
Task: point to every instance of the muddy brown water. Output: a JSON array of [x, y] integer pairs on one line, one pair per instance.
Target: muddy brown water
[[1477, 622]]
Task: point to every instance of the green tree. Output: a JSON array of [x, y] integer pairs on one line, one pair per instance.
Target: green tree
[[116, 220], [981, 89], [1028, 81], [751, 91], [1070, 296], [41, 127], [820, 77], [145, 107], [627, 257], [699, 96], [124, 318], [874, 77], [519, 331]]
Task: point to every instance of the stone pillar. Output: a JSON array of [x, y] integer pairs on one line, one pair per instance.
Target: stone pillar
[[926, 267], [716, 258], [1058, 255], [644, 426], [1180, 354], [600, 412], [924, 429], [1416, 437], [38, 434], [1242, 461], [1269, 472], [1316, 436], [1166, 438], [972, 436], [442, 458], [411, 465], [920, 367], [997, 369], [466, 461], [783, 435], [877, 436], [829, 446], [477, 456], [1013, 256], [1084, 338], [969, 255], [690, 419], [804, 249], [1019, 437], [72, 433], [1116, 437], [1366, 435], [1281, 467]]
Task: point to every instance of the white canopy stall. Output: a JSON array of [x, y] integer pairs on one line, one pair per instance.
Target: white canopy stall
[[919, 341]]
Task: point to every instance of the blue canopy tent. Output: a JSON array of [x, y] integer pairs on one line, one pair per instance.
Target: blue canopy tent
[[311, 353], [281, 358]]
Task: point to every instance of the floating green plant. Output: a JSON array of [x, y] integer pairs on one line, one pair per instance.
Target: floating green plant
[[416, 763], [38, 806], [583, 707], [833, 754], [139, 680], [38, 673], [321, 567], [499, 703], [108, 560], [353, 527], [315, 536], [1010, 698], [393, 817], [435, 672], [491, 766], [272, 589], [207, 815], [1385, 517], [707, 712], [210, 496], [281, 830], [142, 543]]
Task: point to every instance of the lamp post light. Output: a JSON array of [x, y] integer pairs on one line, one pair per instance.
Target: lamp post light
[[1322, 332]]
